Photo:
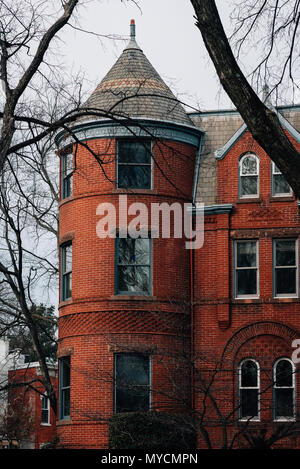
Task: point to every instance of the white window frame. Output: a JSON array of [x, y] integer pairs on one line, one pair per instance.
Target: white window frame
[[236, 269], [240, 387], [284, 419], [248, 196], [274, 172], [274, 267], [47, 409]]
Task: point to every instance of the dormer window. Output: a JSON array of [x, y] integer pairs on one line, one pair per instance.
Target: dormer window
[[249, 176]]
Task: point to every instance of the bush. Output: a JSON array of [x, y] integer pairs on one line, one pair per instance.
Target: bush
[[152, 431]]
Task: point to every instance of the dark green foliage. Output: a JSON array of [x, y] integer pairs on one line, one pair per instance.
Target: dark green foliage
[[46, 325], [152, 431]]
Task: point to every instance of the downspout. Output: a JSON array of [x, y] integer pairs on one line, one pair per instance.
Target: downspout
[[192, 320], [196, 177]]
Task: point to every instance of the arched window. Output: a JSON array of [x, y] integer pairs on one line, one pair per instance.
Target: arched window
[[249, 176], [284, 389], [249, 390]]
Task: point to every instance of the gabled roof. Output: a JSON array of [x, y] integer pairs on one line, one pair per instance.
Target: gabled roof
[[133, 88], [222, 152]]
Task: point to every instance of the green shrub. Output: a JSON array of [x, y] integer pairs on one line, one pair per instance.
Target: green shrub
[[152, 431]]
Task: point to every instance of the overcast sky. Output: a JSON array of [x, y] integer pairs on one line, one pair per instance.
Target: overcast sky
[[165, 30]]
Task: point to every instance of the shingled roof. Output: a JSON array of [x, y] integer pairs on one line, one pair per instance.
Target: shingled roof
[[133, 88]]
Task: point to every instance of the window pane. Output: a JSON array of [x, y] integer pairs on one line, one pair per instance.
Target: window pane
[[248, 185], [249, 165], [134, 279], [66, 402], [65, 373], [134, 152], [248, 402], [132, 383], [67, 186], [246, 254], [67, 258], [249, 374], [285, 253], [44, 416], [64, 387], [285, 280], [284, 403], [133, 369], [130, 176], [67, 286], [68, 164], [246, 282], [284, 373], [281, 186], [133, 251]]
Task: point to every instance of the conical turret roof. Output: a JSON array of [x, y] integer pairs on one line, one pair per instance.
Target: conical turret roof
[[133, 88]]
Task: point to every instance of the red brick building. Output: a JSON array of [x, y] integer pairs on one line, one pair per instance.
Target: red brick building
[[146, 323], [30, 420]]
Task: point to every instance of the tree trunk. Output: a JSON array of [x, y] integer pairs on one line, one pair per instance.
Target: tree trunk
[[260, 120]]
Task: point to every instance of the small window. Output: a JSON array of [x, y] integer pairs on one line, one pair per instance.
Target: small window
[[64, 387], [67, 174], [285, 272], [249, 176], [249, 390], [133, 269], [134, 164], [132, 382], [246, 269], [66, 271], [280, 186], [45, 418], [284, 390]]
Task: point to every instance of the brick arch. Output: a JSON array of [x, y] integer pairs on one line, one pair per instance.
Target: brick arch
[[254, 330]]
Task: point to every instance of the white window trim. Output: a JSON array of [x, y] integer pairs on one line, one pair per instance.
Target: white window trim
[[240, 175], [250, 418], [46, 424], [284, 419], [256, 295], [285, 295], [273, 173]]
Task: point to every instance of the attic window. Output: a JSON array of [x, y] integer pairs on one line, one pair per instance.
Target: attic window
[[134, 164], [249, 176]]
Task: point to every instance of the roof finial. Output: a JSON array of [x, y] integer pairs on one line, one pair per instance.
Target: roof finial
[[132, 43], [132, 29]]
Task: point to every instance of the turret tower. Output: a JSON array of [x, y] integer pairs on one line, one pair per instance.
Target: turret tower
[[124, 308]]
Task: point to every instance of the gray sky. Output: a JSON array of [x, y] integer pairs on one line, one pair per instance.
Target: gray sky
[[165, 30]]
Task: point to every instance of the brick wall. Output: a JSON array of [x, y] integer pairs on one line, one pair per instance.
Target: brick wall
[[96, 323], [228, 329]]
